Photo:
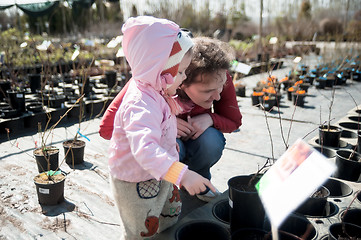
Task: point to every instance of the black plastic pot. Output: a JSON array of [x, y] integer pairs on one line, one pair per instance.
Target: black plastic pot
[[202, 229], [255, 100], [298, 99], [35, 82], [50, 194], [17, 100], [320, 83], [111, 78], [56, 101], [315, 205], [74, 151], [268, 104], [296, 225], [241, 91], [330, 81], [352, 215], [246, 207], [84, 86], [337, 188], [42, 162], [222, 211], [329, 137], [336, 231], [305, 86], [348, 168], [289, 95]]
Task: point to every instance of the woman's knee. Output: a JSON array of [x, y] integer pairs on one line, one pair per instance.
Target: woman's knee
[[213, 141]]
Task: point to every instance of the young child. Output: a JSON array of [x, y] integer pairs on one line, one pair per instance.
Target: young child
[[143, 159]]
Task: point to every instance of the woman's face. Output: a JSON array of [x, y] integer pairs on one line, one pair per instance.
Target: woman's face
[[171, 90], [203, 93]]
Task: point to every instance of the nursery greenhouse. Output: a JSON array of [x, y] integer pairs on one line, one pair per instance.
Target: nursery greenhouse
[[279, 136]]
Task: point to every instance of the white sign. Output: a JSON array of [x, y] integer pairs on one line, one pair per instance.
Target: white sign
[[292, 179], [240, 67]]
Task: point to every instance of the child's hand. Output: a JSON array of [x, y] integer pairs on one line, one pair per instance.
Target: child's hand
[[195, 183]]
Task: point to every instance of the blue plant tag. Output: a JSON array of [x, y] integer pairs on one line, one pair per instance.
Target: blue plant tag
[[83, 135]]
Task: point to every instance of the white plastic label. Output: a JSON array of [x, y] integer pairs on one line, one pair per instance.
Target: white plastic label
[[44, 191], [19, 95], [230, 202]]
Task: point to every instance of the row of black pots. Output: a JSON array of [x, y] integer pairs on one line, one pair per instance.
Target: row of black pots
[[348, 162], [52, 193], [73, 151], [296, 226]]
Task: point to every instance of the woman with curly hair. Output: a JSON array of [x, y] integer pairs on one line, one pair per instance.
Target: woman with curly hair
[[209, 96]]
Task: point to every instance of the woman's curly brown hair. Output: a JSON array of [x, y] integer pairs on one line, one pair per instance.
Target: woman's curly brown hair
[[209, 55]]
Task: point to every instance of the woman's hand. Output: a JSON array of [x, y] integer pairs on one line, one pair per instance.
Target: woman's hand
[[195, 183], [200, 123], [184, 129]]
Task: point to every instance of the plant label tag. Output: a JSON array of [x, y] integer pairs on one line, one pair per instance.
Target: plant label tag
[[293, 178], [44, 191], [240, 67], [19, 95]]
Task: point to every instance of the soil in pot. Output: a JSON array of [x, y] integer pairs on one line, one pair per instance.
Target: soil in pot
[[347, 232], [246, 207], [348, 165], [315, 205], [74, 152], [352, 215], [50, 190], [202, 229], [329, 135], [48, 162]]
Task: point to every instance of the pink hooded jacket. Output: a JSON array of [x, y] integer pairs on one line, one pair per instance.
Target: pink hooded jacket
[[143, 143]]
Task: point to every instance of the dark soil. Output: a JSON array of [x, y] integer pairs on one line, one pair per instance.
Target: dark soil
[[49, 150], [44, 179], [74, 144]]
